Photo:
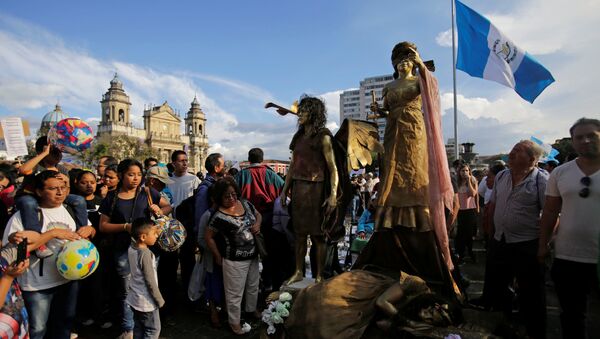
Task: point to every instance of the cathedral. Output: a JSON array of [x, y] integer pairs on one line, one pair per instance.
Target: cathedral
[[162, 126]]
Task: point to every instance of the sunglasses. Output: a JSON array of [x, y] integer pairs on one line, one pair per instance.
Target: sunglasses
[[585, 192]]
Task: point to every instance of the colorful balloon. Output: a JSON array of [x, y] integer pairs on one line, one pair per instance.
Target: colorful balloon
[[71, 135], [77, 259]]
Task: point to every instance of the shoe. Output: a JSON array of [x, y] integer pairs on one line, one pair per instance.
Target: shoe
[[43, 252], [105, 325], [215, 322], [87, 322], [74, 335], [245, 328]]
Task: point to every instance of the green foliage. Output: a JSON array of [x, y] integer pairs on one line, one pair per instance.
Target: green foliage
[[120, 147], [565, 147]]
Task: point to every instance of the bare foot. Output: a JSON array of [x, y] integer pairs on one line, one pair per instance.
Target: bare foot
[[298, 276]]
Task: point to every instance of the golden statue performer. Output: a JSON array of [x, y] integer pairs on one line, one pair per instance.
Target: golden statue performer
[[415, 180], [318, 177]]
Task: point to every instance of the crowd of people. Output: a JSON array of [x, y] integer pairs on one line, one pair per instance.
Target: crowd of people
[[239, 242]]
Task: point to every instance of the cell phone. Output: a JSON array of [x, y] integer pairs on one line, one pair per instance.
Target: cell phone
[[21, 251]]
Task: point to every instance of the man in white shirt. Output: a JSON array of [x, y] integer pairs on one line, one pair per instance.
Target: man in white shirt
[[183, 186], [184, 183], [45, 291], [574, 191]]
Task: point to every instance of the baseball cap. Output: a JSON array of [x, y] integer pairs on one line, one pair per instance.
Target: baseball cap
[[160, 173]]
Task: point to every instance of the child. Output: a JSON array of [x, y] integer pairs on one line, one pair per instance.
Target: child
[[143, 296], [47, 158]]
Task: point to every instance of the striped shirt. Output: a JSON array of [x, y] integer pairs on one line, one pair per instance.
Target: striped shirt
[[518, 208]]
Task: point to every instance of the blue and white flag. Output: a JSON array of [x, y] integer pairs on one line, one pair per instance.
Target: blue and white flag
[[550, 152], [484, 52]]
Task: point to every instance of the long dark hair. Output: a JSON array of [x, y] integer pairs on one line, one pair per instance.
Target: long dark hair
[[123, 167], [317, 117], [459, 178], [9, 172]]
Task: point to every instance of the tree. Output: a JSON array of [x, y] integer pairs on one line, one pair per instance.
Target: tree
[[120, 147], [565, 147]]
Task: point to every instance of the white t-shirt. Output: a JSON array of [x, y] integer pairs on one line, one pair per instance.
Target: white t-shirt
[[183, 187], [52, 218], [579, 228], [484, 191]]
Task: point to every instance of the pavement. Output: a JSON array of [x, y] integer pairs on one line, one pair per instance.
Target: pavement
[[189, 323]]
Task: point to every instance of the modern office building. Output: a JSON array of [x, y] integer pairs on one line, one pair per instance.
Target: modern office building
[[355, 103]]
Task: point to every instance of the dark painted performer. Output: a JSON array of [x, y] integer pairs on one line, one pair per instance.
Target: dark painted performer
[[313, 182]]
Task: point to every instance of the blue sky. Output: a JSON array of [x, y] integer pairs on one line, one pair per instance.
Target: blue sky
[[237, 55]]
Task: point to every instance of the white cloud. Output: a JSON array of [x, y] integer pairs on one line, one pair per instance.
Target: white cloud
[[39, 69], [562, 38], [445, 38], [332, 103], [504, 109]]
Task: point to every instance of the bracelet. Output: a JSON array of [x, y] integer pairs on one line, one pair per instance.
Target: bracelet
[[125, 227]]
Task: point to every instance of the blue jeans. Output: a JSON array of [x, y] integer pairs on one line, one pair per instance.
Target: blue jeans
[[51, 310], [28, 206], [122, 267], [355, 204], [147, 324]]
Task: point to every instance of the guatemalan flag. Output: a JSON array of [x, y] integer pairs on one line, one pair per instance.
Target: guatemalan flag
[[484, 52]]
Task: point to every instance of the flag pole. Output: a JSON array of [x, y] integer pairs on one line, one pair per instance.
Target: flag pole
[[454, 83]]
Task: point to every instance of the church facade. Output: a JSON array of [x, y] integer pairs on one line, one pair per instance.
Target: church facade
[[162, 126]]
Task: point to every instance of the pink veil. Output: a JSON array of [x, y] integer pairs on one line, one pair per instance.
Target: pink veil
[[441, 193]]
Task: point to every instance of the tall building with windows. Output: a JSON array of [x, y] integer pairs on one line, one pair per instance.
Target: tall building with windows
[[356, 103], [350, 105]]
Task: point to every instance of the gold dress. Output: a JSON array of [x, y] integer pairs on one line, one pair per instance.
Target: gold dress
[[404, 238], [404, 196]]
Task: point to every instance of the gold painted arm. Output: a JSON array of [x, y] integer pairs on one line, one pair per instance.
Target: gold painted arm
[[331, 202]]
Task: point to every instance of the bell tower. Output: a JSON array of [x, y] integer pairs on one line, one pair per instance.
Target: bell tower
[[115, 104], [195, 129]]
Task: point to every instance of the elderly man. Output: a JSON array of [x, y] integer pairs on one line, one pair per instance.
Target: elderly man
[[574, 191], [515, 205]]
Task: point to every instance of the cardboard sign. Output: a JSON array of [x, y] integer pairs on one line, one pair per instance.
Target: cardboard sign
[[14, 137]]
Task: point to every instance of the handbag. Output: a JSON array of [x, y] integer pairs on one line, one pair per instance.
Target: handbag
[[172, 232], [261, 246]]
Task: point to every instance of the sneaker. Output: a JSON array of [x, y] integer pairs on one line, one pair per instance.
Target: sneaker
[[87, 322], [43, 252], [74, 335], [106, 325], [246, 328]]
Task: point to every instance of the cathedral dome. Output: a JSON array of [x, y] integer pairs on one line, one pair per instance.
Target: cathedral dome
[[116, 82], [54, 116], [51, 118]]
